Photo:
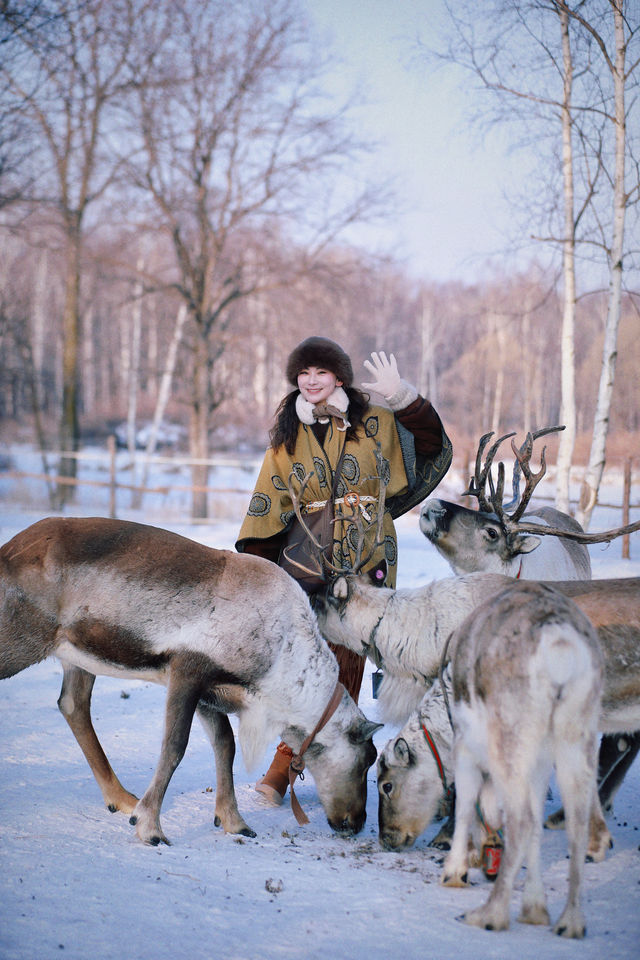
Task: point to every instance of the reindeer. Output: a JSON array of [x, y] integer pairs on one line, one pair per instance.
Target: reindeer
[[224, 632], [490, 539], [405, 633], [527, 678], [416, 768]]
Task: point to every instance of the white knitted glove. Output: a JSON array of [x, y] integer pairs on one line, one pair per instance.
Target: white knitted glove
[[388, 382]]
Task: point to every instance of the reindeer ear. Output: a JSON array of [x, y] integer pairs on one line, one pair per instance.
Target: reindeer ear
[[401, 752], [365, 730], [526, 544], [378, 574]]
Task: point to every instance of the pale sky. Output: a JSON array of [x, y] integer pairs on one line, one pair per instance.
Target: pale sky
[[452, 182]]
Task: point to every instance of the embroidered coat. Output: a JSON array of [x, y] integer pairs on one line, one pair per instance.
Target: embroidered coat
[[410, 475]]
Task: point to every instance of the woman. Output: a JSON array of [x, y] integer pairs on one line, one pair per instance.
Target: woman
[[326, 423]]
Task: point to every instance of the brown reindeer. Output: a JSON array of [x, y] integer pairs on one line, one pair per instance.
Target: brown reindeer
[[224, 632]]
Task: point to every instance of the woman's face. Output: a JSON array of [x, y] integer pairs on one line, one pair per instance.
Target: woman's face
[[317, 384]]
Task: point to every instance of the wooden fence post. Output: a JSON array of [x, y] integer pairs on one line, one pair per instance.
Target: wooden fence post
[[626, 500], [111, 447]]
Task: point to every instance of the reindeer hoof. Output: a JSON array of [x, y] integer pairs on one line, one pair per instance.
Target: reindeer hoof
[[443, 843], [133, 821], [217, 822], [248, 832], [453, 880], [555, 821], [156, 840]]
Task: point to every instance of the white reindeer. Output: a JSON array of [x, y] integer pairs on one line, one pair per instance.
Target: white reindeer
[[416, 768], [527, 679], [404, 632], [491, 540], [541, 544], [224, 632]]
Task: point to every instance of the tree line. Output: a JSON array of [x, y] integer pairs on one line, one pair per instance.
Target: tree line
[[176, 193]]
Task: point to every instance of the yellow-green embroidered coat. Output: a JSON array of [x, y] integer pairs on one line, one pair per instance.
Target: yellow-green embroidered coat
[[410, 477]]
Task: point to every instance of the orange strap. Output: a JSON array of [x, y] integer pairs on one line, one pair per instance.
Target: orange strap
[[296, 766]]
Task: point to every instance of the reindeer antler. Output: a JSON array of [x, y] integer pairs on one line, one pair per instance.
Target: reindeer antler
[[478, 482], [521, 468], [477, 485], [357, 519], [606, 536], [319, 548]]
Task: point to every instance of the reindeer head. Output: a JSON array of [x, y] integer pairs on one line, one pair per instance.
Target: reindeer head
[[412, 784], [344, 607]]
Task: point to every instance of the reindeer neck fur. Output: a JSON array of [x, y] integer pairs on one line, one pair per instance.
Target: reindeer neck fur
[[406, 630], [292, 697]]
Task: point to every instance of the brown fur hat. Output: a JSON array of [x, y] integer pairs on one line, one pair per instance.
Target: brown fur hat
[[319, 352]]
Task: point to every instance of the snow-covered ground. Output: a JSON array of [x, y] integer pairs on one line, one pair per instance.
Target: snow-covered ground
[[75, 882]]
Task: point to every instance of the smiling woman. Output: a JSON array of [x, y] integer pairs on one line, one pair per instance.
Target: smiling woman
[[330, 447]]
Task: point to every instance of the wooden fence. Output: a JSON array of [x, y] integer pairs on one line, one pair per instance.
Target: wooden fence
[[116, 463], [114, 484]]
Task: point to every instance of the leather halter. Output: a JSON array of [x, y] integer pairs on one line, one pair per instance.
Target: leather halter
[[296, 766], [436, 756]]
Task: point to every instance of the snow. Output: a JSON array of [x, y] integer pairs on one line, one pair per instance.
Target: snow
[[76, 883]]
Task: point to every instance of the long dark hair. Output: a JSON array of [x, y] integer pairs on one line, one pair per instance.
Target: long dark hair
[[285, 429]]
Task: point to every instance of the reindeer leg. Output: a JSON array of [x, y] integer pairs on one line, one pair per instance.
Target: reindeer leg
[[183, 694], [576, 778], [534, 907], [74, 704], [444, 836], [468, 778], [218, 730], [617, 753], [494, 914]]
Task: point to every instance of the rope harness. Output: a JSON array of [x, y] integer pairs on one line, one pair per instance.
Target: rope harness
[[296, 767]]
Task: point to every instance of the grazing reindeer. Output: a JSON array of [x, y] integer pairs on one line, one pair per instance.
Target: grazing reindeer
[[224, 632], [415, 769], [489, 539], [527, 678], [405, 632]]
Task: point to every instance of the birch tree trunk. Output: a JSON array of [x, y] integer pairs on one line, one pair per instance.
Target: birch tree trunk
[[163, 398], [567, 338], [134, 366], [501, 336], [595, 467], [427, 379]]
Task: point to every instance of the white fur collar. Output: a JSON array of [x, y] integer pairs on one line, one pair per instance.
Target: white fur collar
[[304, 409]]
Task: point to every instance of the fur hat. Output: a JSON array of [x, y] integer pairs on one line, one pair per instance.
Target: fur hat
[[319, 352]]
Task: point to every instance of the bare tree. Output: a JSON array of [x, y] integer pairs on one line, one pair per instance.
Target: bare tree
[[530, 55], [621, 70], [69, 71], [242, 162]]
